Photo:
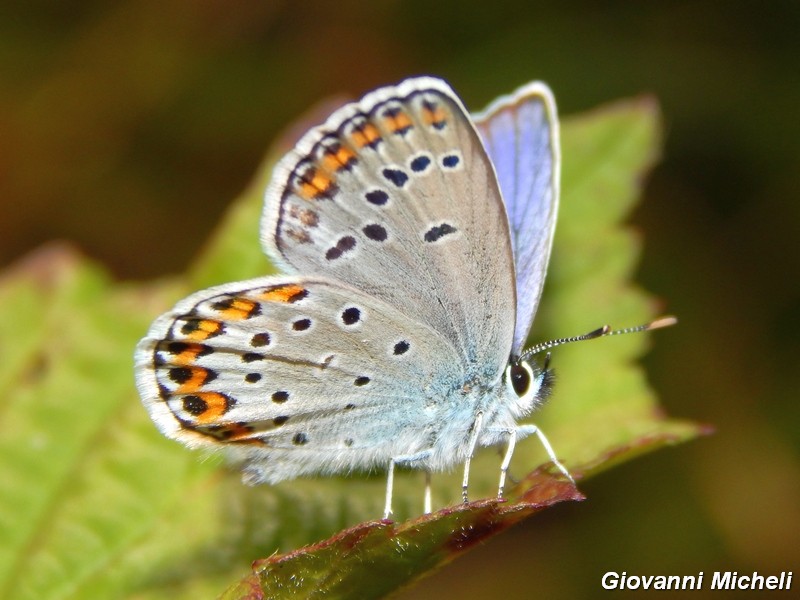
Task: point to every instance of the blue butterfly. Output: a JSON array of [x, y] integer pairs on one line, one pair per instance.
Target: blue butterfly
[[415, 239]]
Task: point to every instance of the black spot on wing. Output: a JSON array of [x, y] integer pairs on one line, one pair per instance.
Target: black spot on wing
[[344, 245], [420, 163], [437, 232], [260, 339], [301, 324], [377, 197], [396, 176], [401, 347], [280, 396], [375, 232], [450, 161], [351, 315]]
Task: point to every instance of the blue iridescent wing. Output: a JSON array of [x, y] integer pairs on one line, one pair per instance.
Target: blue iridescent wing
[[520, 133]]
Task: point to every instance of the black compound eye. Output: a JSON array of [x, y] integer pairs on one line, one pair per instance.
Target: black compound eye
[[520, 379]]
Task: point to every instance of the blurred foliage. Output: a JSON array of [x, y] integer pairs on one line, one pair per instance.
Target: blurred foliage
[[127, 126]]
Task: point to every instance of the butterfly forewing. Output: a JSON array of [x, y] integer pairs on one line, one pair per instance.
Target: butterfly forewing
[[396, 196], [292, 364], [520, 133]]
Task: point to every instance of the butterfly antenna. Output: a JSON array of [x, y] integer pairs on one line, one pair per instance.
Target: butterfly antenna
[[603, 331]]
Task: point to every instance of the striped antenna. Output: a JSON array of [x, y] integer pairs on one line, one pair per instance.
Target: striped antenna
[[603, 331]]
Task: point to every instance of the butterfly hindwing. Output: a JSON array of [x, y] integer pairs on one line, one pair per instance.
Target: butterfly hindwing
[[520, 133], [396, 196], [293, 371]]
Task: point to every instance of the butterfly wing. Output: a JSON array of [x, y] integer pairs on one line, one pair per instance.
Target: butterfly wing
[[302, 375], [396, 196], [520, 133]]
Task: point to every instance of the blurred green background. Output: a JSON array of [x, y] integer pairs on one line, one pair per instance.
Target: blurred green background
[[121, 122]]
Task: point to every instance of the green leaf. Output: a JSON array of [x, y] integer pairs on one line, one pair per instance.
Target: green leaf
[[96, 503]]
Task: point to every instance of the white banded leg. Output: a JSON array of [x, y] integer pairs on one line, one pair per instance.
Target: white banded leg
[[512, 443], [473, 441]]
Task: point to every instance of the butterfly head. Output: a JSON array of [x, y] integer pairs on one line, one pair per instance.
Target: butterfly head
[[528, 382]]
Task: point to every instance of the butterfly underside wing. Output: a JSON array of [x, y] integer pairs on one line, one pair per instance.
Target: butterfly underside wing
[[233, 366], [398, 324], [396, 196]]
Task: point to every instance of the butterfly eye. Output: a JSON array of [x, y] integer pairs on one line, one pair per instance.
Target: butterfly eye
[[520, 379]]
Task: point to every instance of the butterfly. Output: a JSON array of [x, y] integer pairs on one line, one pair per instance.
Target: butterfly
[[415, 241]]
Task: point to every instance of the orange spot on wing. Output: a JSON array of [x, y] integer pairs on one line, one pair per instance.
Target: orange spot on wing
[[242, 434], [238, 433], [189, 354], [338, 159], [204, 329], [398, 122], [365, 135], [434, 116], [314, 183], [198, 377], [239, 308], [218, 404], [321, 181], [284, 293]]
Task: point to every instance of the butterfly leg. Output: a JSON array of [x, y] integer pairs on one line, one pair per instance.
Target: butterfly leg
[[473, 441], [427, 502], [387, 510], [512, 443], [398, 460], [525, 430]]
